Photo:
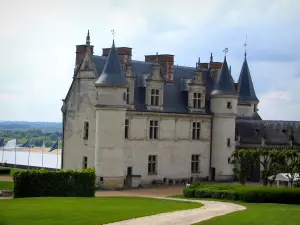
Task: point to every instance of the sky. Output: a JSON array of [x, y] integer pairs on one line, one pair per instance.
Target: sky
[[38, 40]]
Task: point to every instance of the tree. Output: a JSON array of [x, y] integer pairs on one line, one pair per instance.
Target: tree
[[291, 165], [242, 160]]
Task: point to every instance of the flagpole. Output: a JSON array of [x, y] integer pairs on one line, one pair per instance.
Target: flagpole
[[43, 155], [28, 156], [16, 154], [57, 157], [3, 155]]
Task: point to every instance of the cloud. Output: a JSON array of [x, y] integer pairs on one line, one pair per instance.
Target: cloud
[[38, 45]]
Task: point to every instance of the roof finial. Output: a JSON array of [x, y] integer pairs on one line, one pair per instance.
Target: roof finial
[[88, 38], [245, 46], [225, 51], [113, 33], [211, 57], [199, 60]]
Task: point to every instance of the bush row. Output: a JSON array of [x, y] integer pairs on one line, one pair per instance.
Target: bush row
[[4, 171], [41, 182], [245, 193]]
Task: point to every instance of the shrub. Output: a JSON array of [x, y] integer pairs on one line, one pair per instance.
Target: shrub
[[37, 183], [4, 171], [245, 193]]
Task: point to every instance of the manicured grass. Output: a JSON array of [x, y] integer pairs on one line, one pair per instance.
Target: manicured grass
[[81, 211], [6, 185], [257, 214]]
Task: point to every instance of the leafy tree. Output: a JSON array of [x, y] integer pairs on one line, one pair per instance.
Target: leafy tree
[[243, 160], [291, 165]]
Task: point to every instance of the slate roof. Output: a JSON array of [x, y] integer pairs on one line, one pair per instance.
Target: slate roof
[[245, 84], [112, 73], [274, 132], [224, 83], [175, 97]]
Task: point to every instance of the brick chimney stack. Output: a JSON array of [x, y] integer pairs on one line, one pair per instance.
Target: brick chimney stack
[[124, 53], [167, 63], [80, 52]]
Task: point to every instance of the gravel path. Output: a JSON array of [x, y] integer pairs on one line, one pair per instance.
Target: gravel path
[[209, 210]]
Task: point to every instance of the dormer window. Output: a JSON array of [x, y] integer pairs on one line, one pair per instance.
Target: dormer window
[[154, 97], [197, 100]]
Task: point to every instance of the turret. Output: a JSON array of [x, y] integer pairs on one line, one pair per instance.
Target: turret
[[110, 123], [223, 105], [247, 103]]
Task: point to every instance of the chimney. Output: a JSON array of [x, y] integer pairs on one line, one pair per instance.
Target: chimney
[[167, 63], [80, 52], [124, 53]]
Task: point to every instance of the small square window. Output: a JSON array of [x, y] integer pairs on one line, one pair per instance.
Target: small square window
[[229, 106]]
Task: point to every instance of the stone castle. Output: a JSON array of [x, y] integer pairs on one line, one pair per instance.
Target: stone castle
[[137, 122]]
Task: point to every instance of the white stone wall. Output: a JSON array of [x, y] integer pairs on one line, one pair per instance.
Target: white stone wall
[[174, 148], [80, 108], [244, 110]]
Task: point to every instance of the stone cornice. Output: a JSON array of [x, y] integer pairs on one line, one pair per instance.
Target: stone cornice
[[164, 114]]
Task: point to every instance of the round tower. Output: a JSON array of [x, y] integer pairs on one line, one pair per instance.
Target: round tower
[[110, 123], [224, 107]]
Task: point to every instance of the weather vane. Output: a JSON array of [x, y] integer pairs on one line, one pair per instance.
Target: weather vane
[[113, 33], [225, 51], [245, 46]]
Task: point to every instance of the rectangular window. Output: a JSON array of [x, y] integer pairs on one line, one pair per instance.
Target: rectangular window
[[228, 142], [152, 162], [195, 164], [127, 95], [86, 130], [196, 130], [197, 100], [229, 106], [154, 97], [126, 129], [153, 131], [84, 162]]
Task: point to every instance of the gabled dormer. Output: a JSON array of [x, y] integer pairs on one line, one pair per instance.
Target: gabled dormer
[[130, 76], [86, 68], [155, 88], [196, 95]]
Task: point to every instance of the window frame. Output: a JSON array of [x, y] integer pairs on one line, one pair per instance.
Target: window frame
[[196, 130], [152, 164], [153, 129], [195, 163], [154, 97]]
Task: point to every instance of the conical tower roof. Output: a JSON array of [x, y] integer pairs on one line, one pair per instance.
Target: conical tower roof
[[112, 74], [224, 84], [245, 84]]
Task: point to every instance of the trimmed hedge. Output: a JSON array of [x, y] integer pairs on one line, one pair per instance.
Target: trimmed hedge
[[253, 194], [38, 183], [4, 171]]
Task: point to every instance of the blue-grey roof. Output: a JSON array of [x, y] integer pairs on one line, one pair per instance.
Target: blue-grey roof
[[274, 132], [245, 84], [224, 83], [112, 73], [254, 116], [175, 98]]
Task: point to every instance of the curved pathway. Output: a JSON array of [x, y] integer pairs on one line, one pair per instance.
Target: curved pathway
[[209, 210]]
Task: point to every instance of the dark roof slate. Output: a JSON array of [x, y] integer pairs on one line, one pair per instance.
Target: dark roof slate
[[174, 98], [224, 83], [245, 85], [274, 132], [112, 73]]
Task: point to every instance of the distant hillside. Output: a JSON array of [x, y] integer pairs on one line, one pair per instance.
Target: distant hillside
[[46, 127]]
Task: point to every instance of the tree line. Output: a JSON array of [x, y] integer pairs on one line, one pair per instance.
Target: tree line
[[36, 137], [271, 161]]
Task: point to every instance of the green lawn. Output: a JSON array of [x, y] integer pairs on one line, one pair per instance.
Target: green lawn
[[78, 211], [257, 214], [6, 185]]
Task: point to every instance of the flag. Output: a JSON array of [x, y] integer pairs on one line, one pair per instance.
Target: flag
[[26, 145], [55, 146], [1, 142], [11, 144]]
